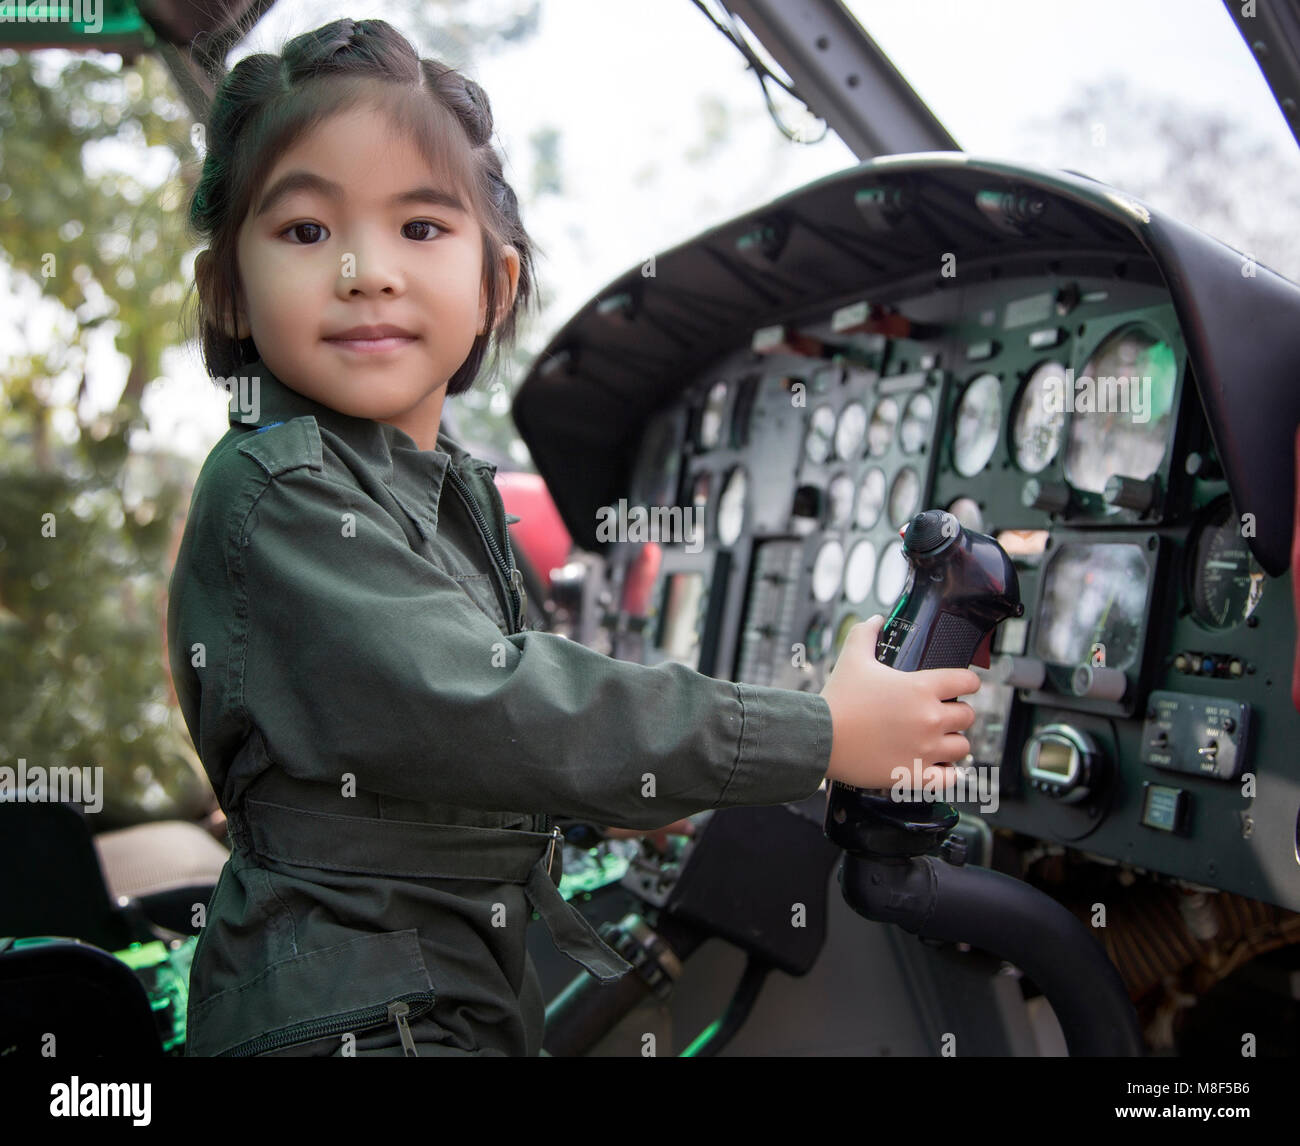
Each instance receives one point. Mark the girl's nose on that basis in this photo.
(369, 270)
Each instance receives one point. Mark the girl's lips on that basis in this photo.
(370, 345)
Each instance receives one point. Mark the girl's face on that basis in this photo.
(350, 230)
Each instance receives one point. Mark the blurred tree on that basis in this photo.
(548, 172)
(1199, 167)
(84, 523)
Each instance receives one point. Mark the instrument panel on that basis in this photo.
(1011, 407)
(1051, 395)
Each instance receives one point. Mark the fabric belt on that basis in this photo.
(397, 848)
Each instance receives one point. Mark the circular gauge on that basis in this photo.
(828, 571)
(881, 430)
(904, 495)
(1227, 582)
(1123, 402)
(918, 415)
(979, 417)
(821, 431)
(850, 431)
(967, 511)
(711, 417)
(860, 571)
(842, 631)
(871, 498)
(818, 640)
(840, 496)
(731, 506)
(891, 577)
(1039, 417)
(1093, 595)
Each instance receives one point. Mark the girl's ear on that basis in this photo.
(205, 278)
(509, 271)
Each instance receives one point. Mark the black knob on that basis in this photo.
(1050, 497)
(930, 530)
(1130, 493)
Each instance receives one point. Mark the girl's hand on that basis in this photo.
(884, 719)
(659, 836)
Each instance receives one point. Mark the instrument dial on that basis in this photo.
(881, 430)
(1124, 425)
(860, 571)
(821, 431)
(850, 431)
(731, 506)
(1227, 582)
(918, 416)
(904, 496)
(967, 511)
(979, 420)
(840, 495)
(828, 571)
(871, 498)
(1039, 418)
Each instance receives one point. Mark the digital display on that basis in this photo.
(1054, 757)
(679, 632)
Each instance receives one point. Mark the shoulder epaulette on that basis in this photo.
(289, 445)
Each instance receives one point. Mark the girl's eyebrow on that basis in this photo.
(294, 181)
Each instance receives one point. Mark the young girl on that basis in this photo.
(346, 628)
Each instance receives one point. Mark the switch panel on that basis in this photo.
(1201, 735)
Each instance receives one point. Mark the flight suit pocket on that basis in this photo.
(363, 983)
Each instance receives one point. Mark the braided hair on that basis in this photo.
(266, 102)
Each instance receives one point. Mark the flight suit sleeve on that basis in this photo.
(363, 657)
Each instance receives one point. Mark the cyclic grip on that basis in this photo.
(961, 585)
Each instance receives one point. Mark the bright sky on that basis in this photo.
(624, 81)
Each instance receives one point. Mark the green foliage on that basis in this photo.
(86, 524)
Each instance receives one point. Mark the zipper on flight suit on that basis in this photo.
(514, 585)
(404, 1007)
(512, 579)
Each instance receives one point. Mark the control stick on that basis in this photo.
(961, 585)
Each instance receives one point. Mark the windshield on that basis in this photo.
(1160, 98)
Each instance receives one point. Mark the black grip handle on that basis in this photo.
(952, 644)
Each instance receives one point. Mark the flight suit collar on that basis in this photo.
(391, 453)
(376, 440)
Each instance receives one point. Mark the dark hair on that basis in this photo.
(266, 102)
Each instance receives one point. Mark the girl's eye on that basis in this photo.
(300, 226)
(426, 223)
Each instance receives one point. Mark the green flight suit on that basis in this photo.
(390, 743)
